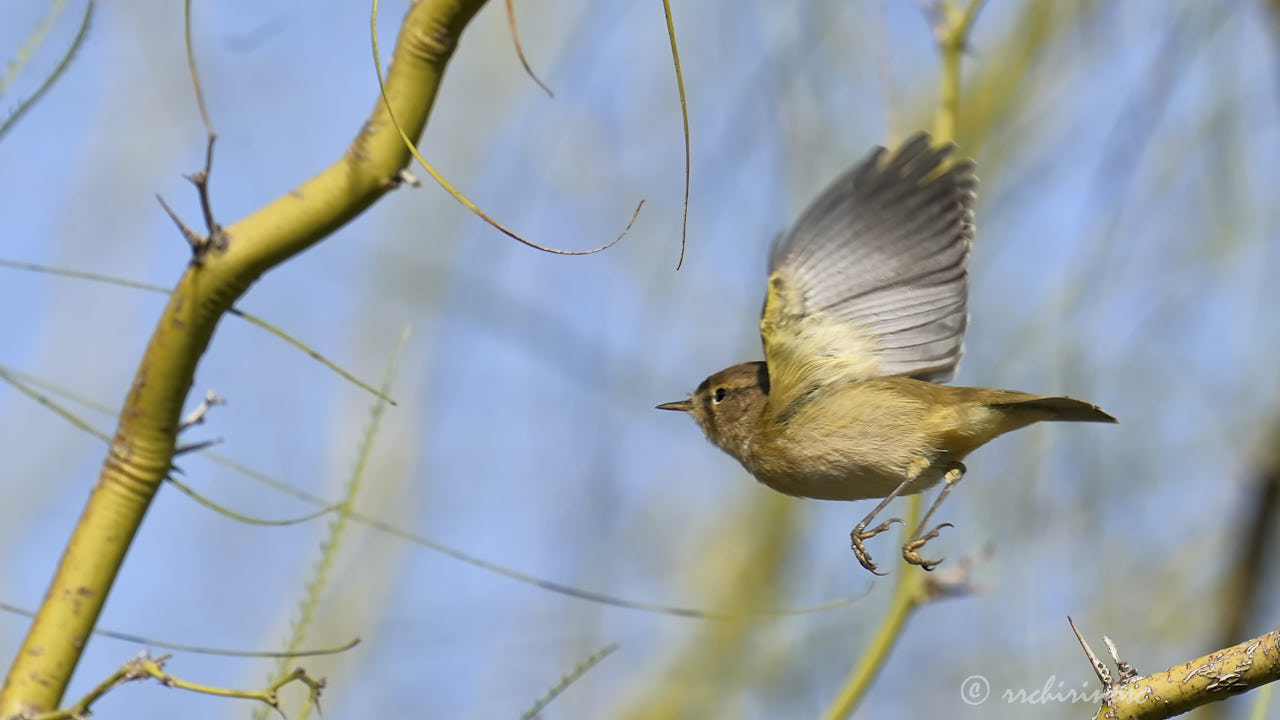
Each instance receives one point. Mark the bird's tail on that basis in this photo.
(1063, 409)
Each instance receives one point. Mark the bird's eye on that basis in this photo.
(720, 392)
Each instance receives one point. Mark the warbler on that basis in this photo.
(864, 317)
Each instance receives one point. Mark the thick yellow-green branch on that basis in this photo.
(141, 452)
(1189, 685)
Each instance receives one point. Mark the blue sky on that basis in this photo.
(1126, 251)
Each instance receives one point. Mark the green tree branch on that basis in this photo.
(142, 450)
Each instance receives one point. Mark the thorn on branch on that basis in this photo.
(196, 447)
(1127, 671)
(193, 238)
(1099, 668)
(404, 177)
(196, 417)
(217, 239)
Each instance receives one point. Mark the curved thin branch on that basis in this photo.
(195, 76)
(448, 187)
(233, 310)
(29, 46)
(248, 519)
(515, 40)
(25, 383)
(684, 117)
(196, 649)
(62, 66)
(569, 678)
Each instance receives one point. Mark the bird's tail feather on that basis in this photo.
(1063, 409)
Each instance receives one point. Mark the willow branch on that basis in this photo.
(141, 452)
(908, 594)
(1186, 686)
(953, 37)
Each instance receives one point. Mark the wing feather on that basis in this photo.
(872, 279)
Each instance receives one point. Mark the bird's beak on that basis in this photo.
(682, 405)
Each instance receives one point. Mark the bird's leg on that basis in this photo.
(860, 531)
(917, 541)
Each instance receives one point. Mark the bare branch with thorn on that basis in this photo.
(218, 238)
(144, 666)
(1185, 686)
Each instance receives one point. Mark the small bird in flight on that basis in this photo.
(863, 318)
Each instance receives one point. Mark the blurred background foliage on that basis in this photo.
(1126, 253)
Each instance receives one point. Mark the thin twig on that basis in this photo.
(61, 67)
(217, 238)
(449, 551)
(196, 649)
(246, 316)
(44, 400)
(248, 519)
(195, 76)
(144, 666)
(316, 585)
(569, 678)
(515, 39)
(448, 187)
(684, 117)
(29, 46)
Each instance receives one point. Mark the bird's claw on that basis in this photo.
(909, 549)
(860, 533)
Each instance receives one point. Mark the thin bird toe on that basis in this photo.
(913, 557)
(864, 557)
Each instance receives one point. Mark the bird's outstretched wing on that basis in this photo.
(871, 281)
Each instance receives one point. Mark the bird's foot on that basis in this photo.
(861, 533)
(909, 549)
